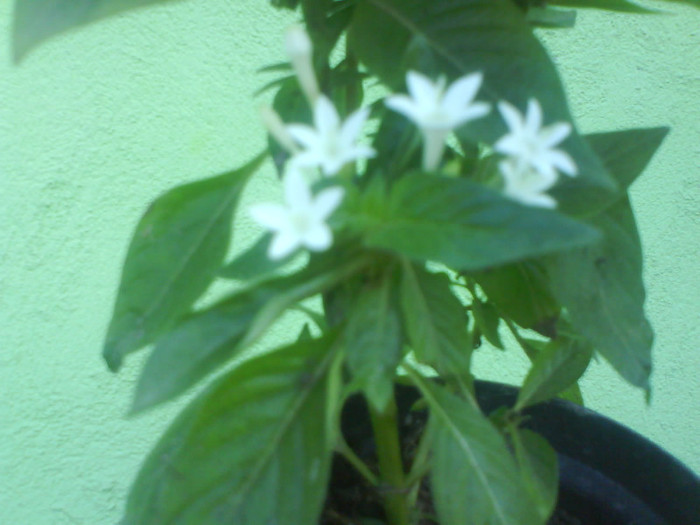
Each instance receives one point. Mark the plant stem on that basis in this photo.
(386, 437)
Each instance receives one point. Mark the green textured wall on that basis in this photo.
(99, 121)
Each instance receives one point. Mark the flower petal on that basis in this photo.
(513, 117)
(404, 105)
(284, 243)
(554, 134)
(352, 127)
(421, 88)
(533, 119)
(326, 202)
(303, 134)
(563, 162)
(271, 216)
(326, 117)
(461, 92)
(297, 192)
(318, 237)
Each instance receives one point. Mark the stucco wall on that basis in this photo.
(96, 123)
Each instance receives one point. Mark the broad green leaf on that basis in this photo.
(475, 479)
(624, 6)
(491, 36)
(435, 321)
(254, 264)
(373, 342)
(209, 338)
(601, 287)
(521, 292)
(557, 367)
(37, 20)
(253, 448)
(175, 253)
(467, 226)
(626, 153)
(539, 469)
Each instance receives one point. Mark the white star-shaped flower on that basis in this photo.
(330, 144)
(438, 111)
(526, 185)
(530, 145)
(301, 221)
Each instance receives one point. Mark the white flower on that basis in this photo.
(301, 221)
(530, 145)
(438, 111)
(299, 51)
(526, 185)
(330, 144)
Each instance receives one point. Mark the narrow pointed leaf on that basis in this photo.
(435, 321)
(373, 342)
(475, 479)
(175, 253)
(253, 448)
(467, 226)
(556, 368)
(539, 469)
(208, 339)
(490, 36)
(37, 20)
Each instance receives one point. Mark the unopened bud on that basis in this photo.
(299, 50)
(277, 129)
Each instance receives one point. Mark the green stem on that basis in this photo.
(386, 437)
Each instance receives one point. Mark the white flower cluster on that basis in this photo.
(531, 163)
(530, 166)
(328, 146)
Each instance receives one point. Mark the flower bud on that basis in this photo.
(299, 50)
(277, 129)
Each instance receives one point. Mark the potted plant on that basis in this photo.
(473, 206)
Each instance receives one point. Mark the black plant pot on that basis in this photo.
(609, 474)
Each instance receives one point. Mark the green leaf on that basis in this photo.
(175, 253)
(254, 264)
(609, 5)
(601, 287)
(521, 292)
(467, 226)
(325, 21)
(626, 153)
(254, 448)
(209, 338)
(491, 36)
(435, 321)
(475, 479)
(556, 368)
(539, 469)
(551, 18)
(486, 319)
(37, 20)
(373, 342)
